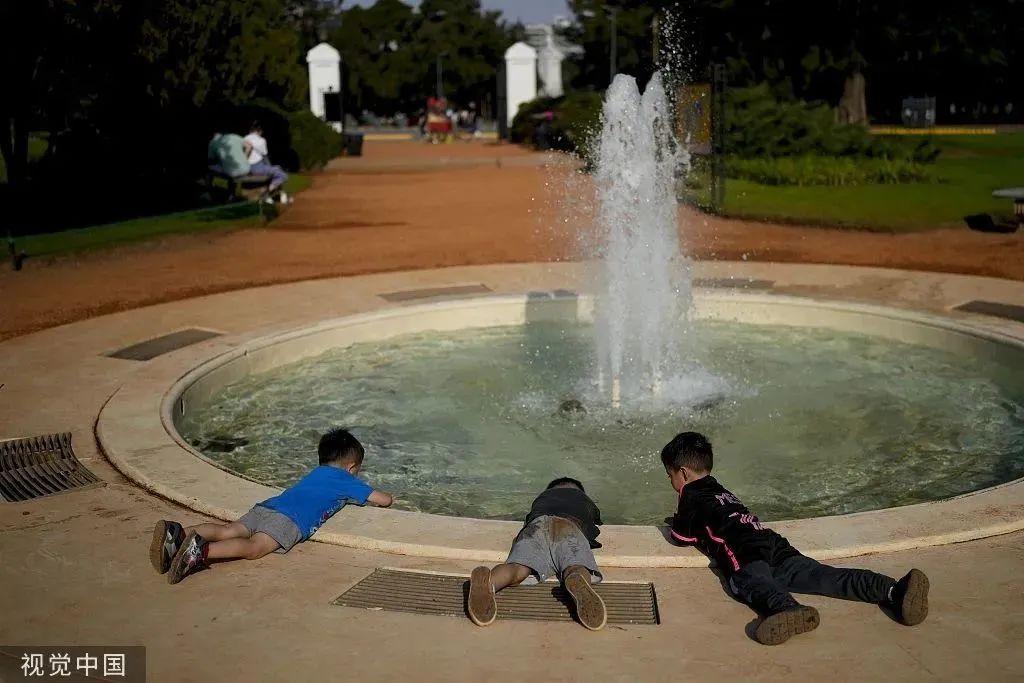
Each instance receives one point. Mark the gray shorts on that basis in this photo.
(274, 524)
(549, 546)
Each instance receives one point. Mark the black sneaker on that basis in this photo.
(167, 538)
(909, 598)
(191, 557)
(777, 628)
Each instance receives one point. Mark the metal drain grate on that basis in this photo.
(994, 308)
(40, 466)
(431, 292)
(158, 346)
(733, 283)
(445, 594)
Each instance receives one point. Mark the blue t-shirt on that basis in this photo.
(317, 496)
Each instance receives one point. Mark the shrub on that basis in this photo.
(313, 141)
(576, 119)
(824, 170)
(758, 124)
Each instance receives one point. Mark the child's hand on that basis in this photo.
(380, 499)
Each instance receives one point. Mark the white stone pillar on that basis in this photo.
(550, 69)
(520, 77)
(324, 77)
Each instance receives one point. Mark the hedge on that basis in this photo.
(758, 124)
(821, 170)
(577, 118)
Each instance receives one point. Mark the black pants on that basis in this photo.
(767, 588)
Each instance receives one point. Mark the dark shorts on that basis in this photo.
(261, 520)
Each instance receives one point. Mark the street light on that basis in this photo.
(438, 16)
(440, 77)
(612, 13)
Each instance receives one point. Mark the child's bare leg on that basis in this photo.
(219, 532)
(233, 548)
(509, 574)
(196, 552)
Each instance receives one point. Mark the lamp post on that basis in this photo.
(613, 49)
(612, 66)
(440, 77)
(438, 16)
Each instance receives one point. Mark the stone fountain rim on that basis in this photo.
(136, 431)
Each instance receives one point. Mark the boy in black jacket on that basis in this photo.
(556, 541)
(761, 566)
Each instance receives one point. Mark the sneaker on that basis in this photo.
(590, 609)
(167, 538)
(909, 598)
(191, 557)
(777, 628)
(481, 605)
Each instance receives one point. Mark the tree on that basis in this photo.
(126, 90)
(863, 55)
(390, 52)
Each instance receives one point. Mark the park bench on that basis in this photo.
(240, 183)
(1014, 193)
(253, 187)
(1017, 195)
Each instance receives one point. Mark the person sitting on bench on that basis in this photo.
(259, 158)
(227, 156)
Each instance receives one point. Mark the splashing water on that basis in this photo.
(642, 310)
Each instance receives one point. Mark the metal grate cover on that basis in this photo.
(158, 346)
(445, 594)
(40, 466)
(734, 283)
(994, 308)
(431, 292)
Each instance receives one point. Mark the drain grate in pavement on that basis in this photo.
(733, 283)
(445, 595)
(994, 308)
(431, 292)
(158, 346)
(40, 466)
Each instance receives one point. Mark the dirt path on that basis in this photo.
(418, 206)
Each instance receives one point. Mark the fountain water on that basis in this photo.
(642, 309)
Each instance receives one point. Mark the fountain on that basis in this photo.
(643, 300)
(467, 407)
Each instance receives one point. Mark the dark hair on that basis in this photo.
(338, 445)
(566, 480)
(256, 125)
(690, 450)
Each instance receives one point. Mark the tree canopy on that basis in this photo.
(966, 54)
(390, 52)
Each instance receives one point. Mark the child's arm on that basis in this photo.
(380, 499)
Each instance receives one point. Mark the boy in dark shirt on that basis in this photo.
(761, 566)
(557, 539)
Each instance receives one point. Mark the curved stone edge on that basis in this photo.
(1001, 507)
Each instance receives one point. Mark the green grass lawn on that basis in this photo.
(970, 167)
(226, 217)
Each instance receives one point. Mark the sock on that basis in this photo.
(204, 547)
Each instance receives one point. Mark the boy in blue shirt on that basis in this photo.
(276, 524)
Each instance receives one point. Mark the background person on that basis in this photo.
(259, 158)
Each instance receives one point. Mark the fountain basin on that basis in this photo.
(994, 510)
